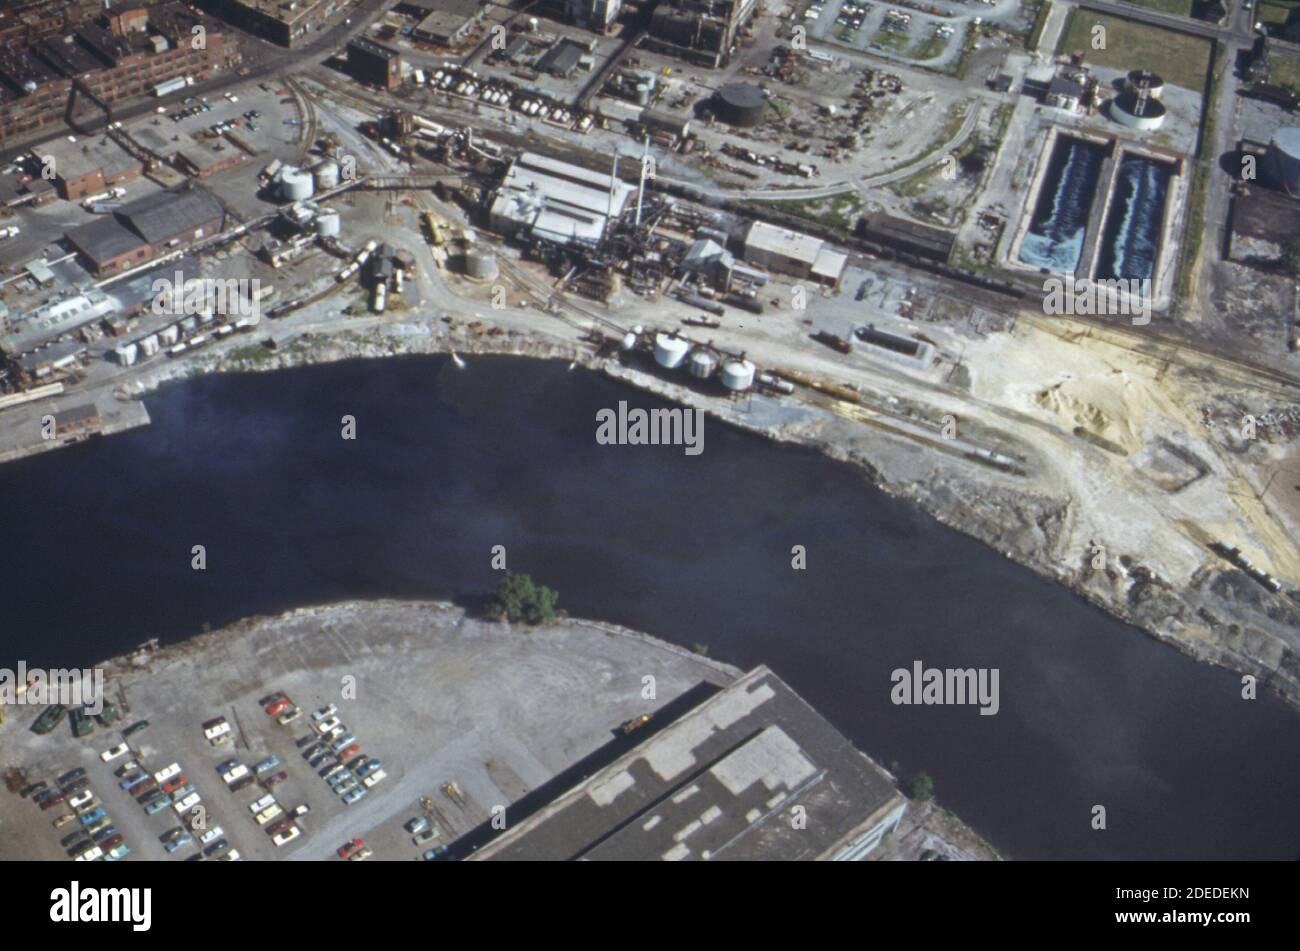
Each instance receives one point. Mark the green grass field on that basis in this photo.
(1182, 60)
(1284, 70)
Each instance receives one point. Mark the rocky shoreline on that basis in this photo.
(993, 509)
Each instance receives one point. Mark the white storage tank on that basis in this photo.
(326, 175)
(702, 364)
(737, 375)
(126, 354)
(169, 335)
(480, 264)
(670, 350)
(295, 184)
(328, 223)
(629, 341)
(149, 345)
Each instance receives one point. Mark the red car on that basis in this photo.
(143, 785)
(275, 780)
(279, 825)
(278, 707)
(347, 848)
(50, 802)
(175, 783)
(349, 751)
(112, 842)
(271, 698)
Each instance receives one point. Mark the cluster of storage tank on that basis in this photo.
(292, 183)
(736, 374)
(467, 83)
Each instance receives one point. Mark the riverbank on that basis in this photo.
(1220, 617)
(438, 695)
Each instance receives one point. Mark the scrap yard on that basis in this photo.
(1015, 279)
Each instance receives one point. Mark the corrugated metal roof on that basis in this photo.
(165, 215)
(789, 244)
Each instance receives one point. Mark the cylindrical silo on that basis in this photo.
(326, 174)
(737, 374)
(670, 350)
(701, 364)
(295, 184)
(480, 264)
(629, 341)
(328, 223)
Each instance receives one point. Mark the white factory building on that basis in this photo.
(790, 252)
(567, 204)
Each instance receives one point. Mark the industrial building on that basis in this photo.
(41, 80)
(542, 198)
(444, 21)
(793, 253)
(287, 22)
(1282, 160)
(148, 227)
(751, 773)
(374, 63)
(701, 31)
(562, 59)
(88, 165)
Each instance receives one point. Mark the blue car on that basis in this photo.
(131, 780)
(93, 816)
(271, 762)
(179, 842)
(158, 805)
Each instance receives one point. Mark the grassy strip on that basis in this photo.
(1040, 23)
(1194, 230)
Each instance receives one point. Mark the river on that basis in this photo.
(695, 549)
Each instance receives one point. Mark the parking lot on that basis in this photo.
(401, 678)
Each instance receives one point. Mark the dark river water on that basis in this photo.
(695, 549)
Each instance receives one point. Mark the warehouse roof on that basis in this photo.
(789, 244)
(72, 160)
(718, 783)
(165, 215)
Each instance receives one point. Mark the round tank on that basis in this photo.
(642, 94)
(737, 375)
(670, 351)
(480, 264)
(327, 223)
(739, 104)
(702, 364)
(326, 174)
(295, 184)
(629, 341)
(1138, 111)
(1283, 158)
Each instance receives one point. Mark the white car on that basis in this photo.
(325, 713)
(189, 802)
(113, 753)
(167, 772)
(231, 856)
(287, 836)
(328, 725)
(261, 804)
(375, 778)
(211, 835)
(79, 800)
(269, 813)
(90, 855)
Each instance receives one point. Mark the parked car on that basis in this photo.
(211, 834)
(292, 713)
(275, 780)
(113, 752)
(418, 824)
(343, 742)
(180, 843)
(352, 795)
(52, 800)
(324, 713)
(175, 783)
(270, 698)
(284, 838)
(270, 763)
(242, 782)
(63, 820)
(347, 848)
(437, 854)
(369, 767)
(360, 855)
(349, 751)
(135, 728)
(328, 724)
(226, 766)
(71, 775)
(158, 805)
(216, 848)
(374, 779)
(130, 766)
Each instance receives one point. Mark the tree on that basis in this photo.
(518, 598)
(921, 787)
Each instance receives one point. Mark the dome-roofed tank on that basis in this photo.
(702, 363)
(670, 350)
(737, 374)
(326, 174)
(327, 223)
(294, 184)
